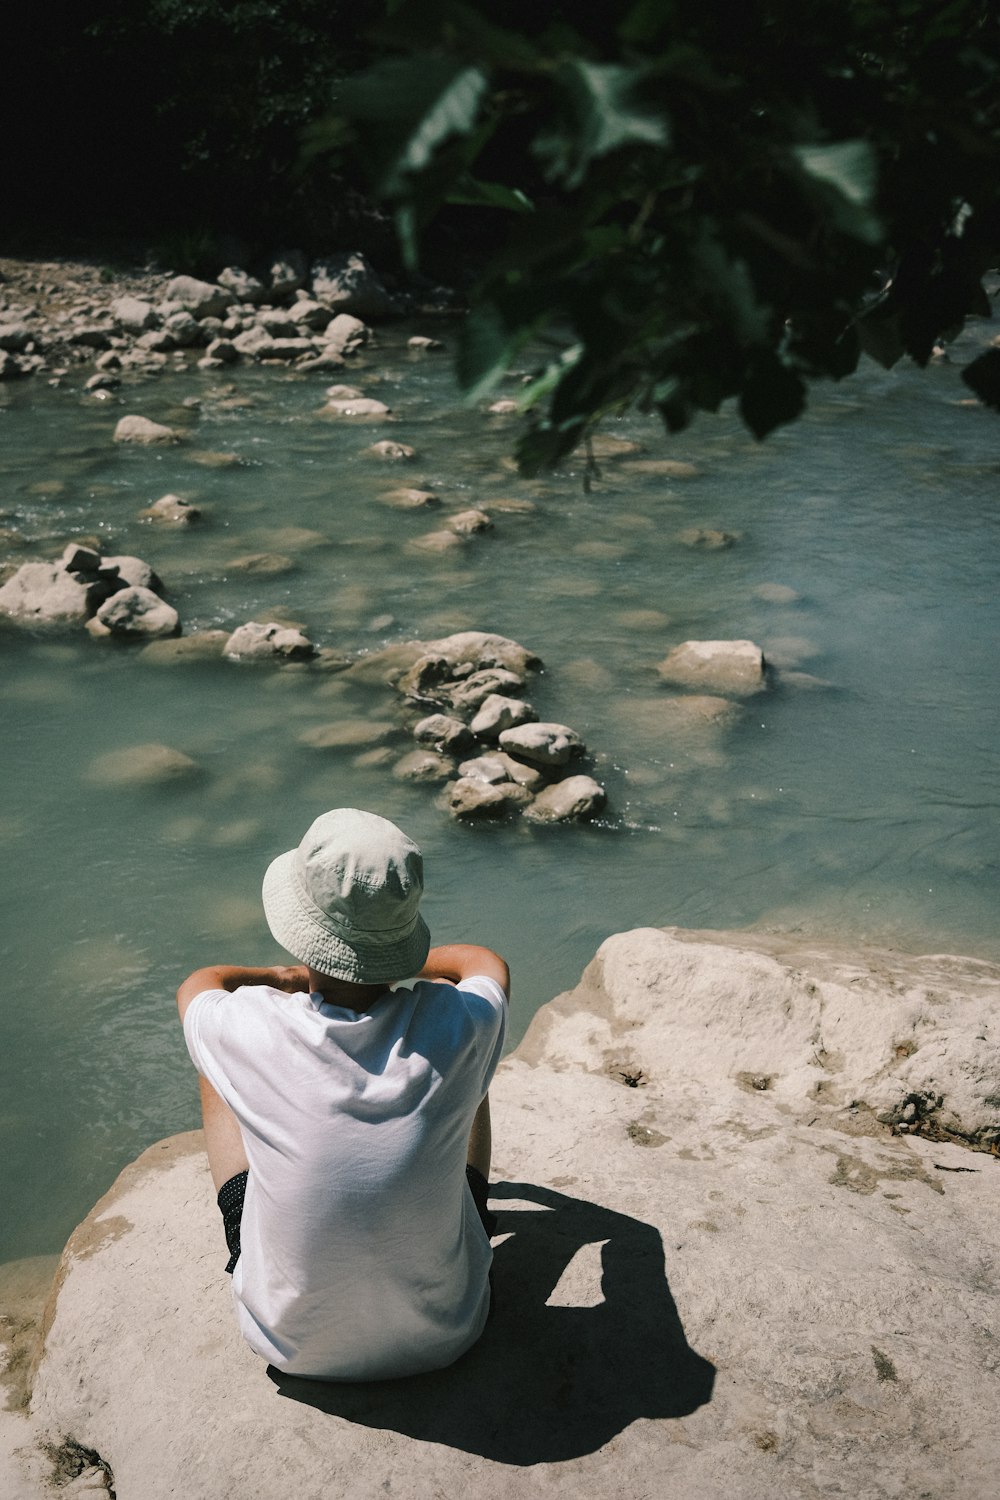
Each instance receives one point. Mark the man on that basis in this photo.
(347, 1123)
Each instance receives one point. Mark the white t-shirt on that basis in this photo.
(362, 1254)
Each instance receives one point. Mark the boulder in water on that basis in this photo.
(142, 765)
(719, 666)
(136, 613)
(542, 744)
(136, 429)
(572, 800)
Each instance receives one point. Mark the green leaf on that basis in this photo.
(488, 343)
(881, 336)
(543, 445)
(848, 166)
(453, 112)
(983, 378)
(843, 178)
(601, 99)
(771, 394)
(475, 193)
(543, 385)
(406, 109)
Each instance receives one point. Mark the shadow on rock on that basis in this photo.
(545, 1383)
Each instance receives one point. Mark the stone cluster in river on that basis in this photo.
(311, 316)
(110, 596)
(462, 700)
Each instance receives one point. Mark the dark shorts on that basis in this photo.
(233, 1192)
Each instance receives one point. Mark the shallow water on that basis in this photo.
(861, 806)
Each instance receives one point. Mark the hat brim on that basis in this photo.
(367, 958)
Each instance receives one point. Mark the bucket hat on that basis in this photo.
(346, 901)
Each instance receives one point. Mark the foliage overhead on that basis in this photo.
(689, 202)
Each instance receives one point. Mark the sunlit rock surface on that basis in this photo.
(717, 1267)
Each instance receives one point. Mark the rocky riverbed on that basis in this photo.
(58, 317)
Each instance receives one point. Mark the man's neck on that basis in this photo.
(343, 993)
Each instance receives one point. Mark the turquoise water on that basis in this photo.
(858, 804)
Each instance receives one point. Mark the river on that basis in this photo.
(854, 800)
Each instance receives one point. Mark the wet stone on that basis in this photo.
(203, 645)
(407, 499)
(472, 799)
(393, 453)
(143, 766)
(497, 765)
(348, 734)
(424, 766)
(262, 564)
(257, 641)
(171, 509)
(572, 800)
(490, 682)
(444, 732)
(134, 613)
(542, 744)
(46, 594)
(470, 522)
(721, 666)
(497, 713)
(705, 539)
(436, 542)
(135, 429)
(131, 571)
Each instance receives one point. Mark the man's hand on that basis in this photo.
(457, 961)
(292, 978)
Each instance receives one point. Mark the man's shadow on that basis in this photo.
(545, 1384)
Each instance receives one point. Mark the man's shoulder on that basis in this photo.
(474, 988)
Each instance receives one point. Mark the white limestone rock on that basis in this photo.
(344, 334)
(392, 453)
(741, 1292)
(288, 272)
(309, 314)
(244, 287)
(136, 429)
(355, 406)
(134, 315)
(286, 349)
(497, 765)
(716, 667)
(268, 641)
(47, 594)
(15, 337)
(542, 744)
(253, 342)
(171, 510)
(471, 798)
(570, 801)
(203, 299)
(470, 522)
(489, 682)
(497, 713)
(443, 732)
(348, 284)
(138, 613)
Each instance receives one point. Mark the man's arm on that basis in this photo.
(293, 978)
(458, 961)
